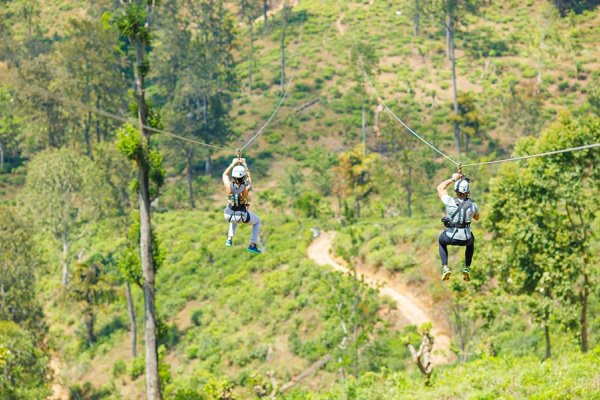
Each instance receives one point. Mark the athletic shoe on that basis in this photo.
(446, 273)
(229, 243)
(466, 274)
(253, 249)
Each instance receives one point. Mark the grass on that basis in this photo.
(564, 377)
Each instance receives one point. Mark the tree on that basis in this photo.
(90, 288)
(402, 165)
(451, 14)
(265, 10)
(131, 270)
(248, 9)
(355, 174)
(23, 365)
(92, 77)
(468, 118)
(46, 123)
(355, 306)
(10, 126)
(18, 261)
(416, 11)
(135, 22)
(62, 192)
(23, 356)
(284, 26)
(205, 78)
(548, 237)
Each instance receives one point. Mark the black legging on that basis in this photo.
(444, 241)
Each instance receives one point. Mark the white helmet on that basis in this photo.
(238, 172)
(462, 186)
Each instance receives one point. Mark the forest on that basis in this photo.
(120, 121)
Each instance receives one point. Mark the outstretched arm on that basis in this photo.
(442, 187)
(226, 173)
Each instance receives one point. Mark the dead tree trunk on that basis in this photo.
(422, 357)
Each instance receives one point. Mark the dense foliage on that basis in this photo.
(95, 98)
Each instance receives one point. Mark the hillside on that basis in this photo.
(235, 325)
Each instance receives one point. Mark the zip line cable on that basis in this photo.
(274, 112)
(85, 107)
(458, 164)
(587, 146)
(368, 80)
(283, 97)
(80, 105)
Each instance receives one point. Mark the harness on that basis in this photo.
(461, 211)
(236, 205)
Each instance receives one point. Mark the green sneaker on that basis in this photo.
(446, 273)
(253, 249)
(466, 274)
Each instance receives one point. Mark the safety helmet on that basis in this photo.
(238, 172)
(462, 186)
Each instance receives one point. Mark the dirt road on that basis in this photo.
(410, 307)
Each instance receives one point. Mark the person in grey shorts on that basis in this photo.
(460, 210)
(236, 212)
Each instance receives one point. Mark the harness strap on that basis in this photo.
(460, 224)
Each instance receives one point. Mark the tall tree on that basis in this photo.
(18, 262)
(90, 288)
(285, 12)
(356, 169)
(265, 10)
(135, 22)
(550, 232)
(23, 364)
(23, 355)
(62, 192)
(10, 126)
(468, 118)
(401, 172)
(451, 14)
(416, 11)
(92, 77)
(201, 97)
(248, 10)
(130, 266)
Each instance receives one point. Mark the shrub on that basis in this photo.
(197, 317)
(138, 366)
(119, 369)
(563, 86)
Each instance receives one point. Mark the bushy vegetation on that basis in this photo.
(229, 324)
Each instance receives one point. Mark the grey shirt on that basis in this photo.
(451, 207)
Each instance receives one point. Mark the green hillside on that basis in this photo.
(235, 325)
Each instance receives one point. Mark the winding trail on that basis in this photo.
(320, 252)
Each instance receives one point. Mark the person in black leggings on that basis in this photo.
(460, 210)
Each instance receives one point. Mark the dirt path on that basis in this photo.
(340, 27)
(59, 391)
(320, 252)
